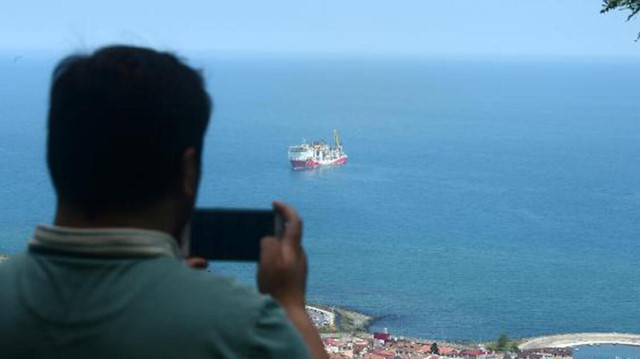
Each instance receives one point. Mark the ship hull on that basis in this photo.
(310, 163)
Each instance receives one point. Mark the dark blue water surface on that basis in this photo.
(479, 197)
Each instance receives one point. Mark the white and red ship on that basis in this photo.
(317, 154)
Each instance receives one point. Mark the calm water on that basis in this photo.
(479, 197)
(606, 352)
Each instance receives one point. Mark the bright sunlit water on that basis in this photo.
(479, 197)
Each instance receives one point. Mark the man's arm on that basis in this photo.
(282, 273)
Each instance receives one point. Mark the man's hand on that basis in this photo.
(282, 271)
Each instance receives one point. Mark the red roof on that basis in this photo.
(446, 350)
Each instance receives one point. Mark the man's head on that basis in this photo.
(125, 131)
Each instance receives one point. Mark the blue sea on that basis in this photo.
(480, 196)
(606, 352)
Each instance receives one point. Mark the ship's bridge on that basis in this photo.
(300, 153)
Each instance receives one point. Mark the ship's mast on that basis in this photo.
(336, 140)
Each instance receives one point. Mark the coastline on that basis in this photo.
(351, 323)
(354, 325)
(345, 321)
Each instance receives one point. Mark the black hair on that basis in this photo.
(119, 122)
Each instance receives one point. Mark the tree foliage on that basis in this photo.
(503, 344)
(631, 5)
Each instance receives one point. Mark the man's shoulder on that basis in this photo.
(233, 315)
(10, 269)
(199, 285)
(9, 265)
(200, 294)
(204, 311)
(169, 284)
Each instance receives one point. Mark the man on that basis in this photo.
(125, 137)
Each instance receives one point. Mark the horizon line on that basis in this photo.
(243, 53)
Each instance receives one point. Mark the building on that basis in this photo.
(447, 351)
(383, 336)
(473, 354)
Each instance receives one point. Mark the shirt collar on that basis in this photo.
(104, 242)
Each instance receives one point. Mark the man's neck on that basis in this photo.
(159, 217)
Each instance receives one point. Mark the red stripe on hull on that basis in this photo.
(309, 164)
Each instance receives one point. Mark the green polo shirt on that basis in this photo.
(124, 293)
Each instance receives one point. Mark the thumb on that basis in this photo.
(197, 263)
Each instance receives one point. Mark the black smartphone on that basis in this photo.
(231, 234)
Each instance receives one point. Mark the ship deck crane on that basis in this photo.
(336, 140)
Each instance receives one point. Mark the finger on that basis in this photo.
(292, 224)
(298, 232)
(269, 248)
(197, 263)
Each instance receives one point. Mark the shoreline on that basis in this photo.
(346, 320)
(354, 323)
(358, 326)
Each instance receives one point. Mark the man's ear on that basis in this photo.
(190, 172)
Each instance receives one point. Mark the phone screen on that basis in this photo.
(231, 234)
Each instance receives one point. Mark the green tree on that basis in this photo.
(631, 5)
(434, 348)
(504, 343)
